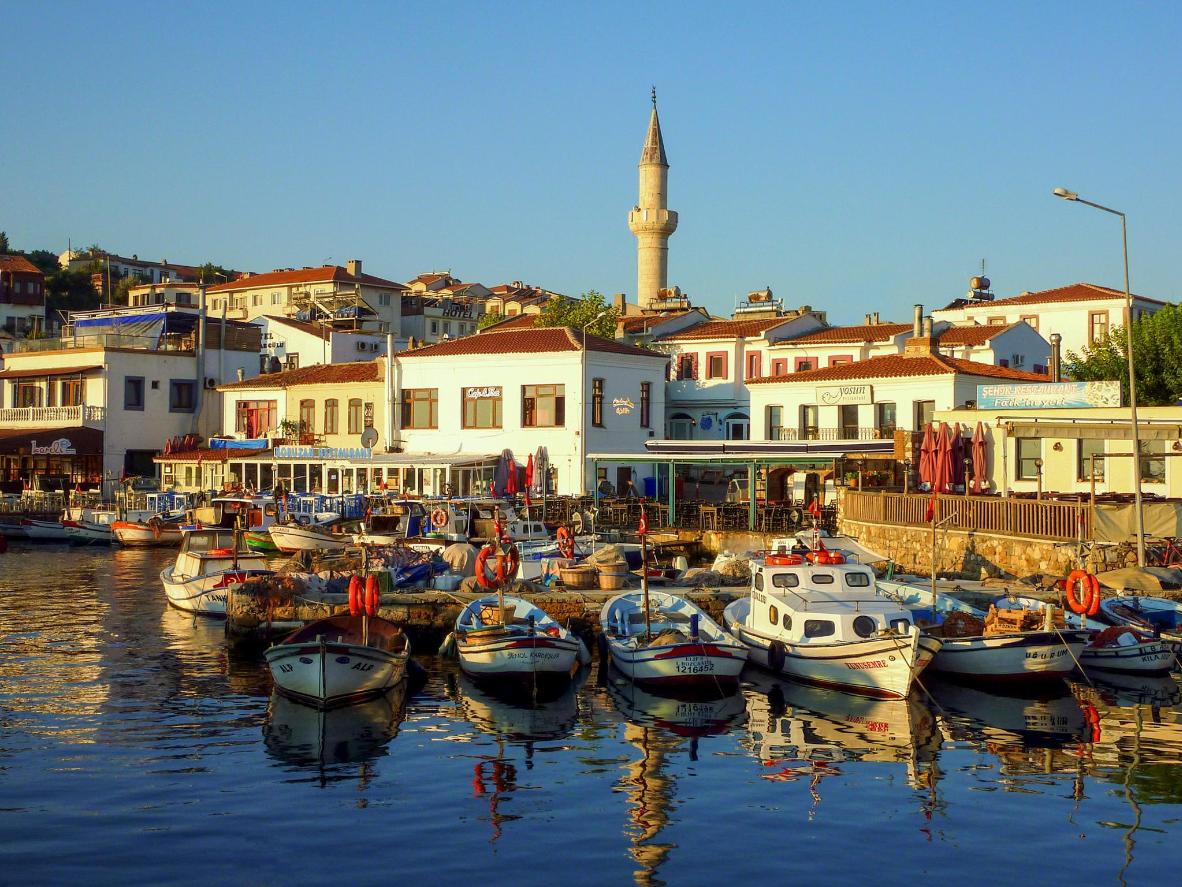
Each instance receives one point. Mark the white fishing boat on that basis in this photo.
(509, 639)
(209, 564)
(823, 623)
(155, 532)
(325, 535)
(93, 527)
(1158, 616)
(1009, 642)
(45, 530)
(339, 660)
(671, 642)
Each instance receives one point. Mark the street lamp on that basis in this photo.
(1124, 234)
(583, 400)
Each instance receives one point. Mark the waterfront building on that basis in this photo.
(288, 343)
(167, 292)
(433, 318)
(100, 400)
(346, 298)
(108, 269)
(1081, 313)
(22, 298)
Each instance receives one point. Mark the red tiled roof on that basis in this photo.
(729, 329)
(323, 274)
(18, 264)
(648, 321)
(972, 335)
(319, 374)
(312, 329)
(1075, 292)
(516, 322)
(838, 335)
(892, 366)
(527, 341)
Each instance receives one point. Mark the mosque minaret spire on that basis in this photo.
(651, 220)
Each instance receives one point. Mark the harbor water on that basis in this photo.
(135, 748)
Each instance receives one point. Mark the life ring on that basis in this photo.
(356, 596)
(566, 543)
(439, 518)
(1092, 719)
(783, 560)
(1089, 604)
(221, 552)
(507, 560)
(776, 655)
(373, 596)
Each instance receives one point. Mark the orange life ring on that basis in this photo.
(783, 560)
(356, 599)
(221, 552)
(566, 543)
(1092, 719)
(439, 518)
(1089, 604)
(507, 560)
(373, 596)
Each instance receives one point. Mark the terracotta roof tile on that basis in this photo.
(837, 335)
(972, 335)
(323, 274)
(312, 329)
(516, 322)
(527, 341)
(18, 264)
(319, 374)
(648, 321)
(1075, 292)
(729, 329)
(892, 366)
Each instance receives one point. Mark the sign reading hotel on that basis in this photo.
(1048, 395)
(326, 453)
(838, 395)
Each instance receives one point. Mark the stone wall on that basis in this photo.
(970, 554)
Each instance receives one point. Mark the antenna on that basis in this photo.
(654, 96)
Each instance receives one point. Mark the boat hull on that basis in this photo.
(45, 531)
(514, 658)
(1144, 657)
(704, 663)
(260, 541)
(139, 535)
(290, 538)
(329, 674)
(90, 534)
(207, 594)
(1018, 656)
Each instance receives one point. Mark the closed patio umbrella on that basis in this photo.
(541, 466)
(979, 466)
(529, 478)
(510, 476)
(927, 451)
(942, 460)
(958, 475)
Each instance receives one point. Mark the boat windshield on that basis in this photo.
(200, 543)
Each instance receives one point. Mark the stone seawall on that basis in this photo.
(970, 554)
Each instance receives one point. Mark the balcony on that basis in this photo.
(185, 344)
(42, 417)
(813, 432)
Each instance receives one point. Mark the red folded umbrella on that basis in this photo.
(510, 477)
(927, 451)
(979, 466)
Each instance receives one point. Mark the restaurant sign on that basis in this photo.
(836, 395)
(1048, 395)
(490, 391)
(60, 447)
(326, 453)
(623, 406)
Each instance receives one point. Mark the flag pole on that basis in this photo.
(642, 529)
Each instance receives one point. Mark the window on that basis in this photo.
(1097, 325)
(1083, 460)
(785, 580)
(847, 417)
(256, 300)
(1031, 319)
(773, 614)
(308, 416)
(447, 327)
(420, 408)
(780, 366)
(71, 392)
(182, 395)
(291, 362)
(884, 419)
(857, 580)
(754, 365)
(331, 408)
(819, 628)
(808, 422)
(687, 366)
(646, 401)
(840, 360)
(256, 417)
(133, 392)
(1153, 461)
(805, 363)
(716, 365)
(925, 411)
(276, 298)
(482, 407)
(996, 321)
(543, 406)
(28, 394)
(775, 422)
(821, 578)
(434, 327)
(1029, 449)
(597, 402)
(681, 427)
(384, 300)
(355, 415)
(864, 626)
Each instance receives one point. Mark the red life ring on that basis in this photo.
(1092, 719)
(1089, 604)
(507, 559)
(221, 552)
(356, 600)
(783, 560)
(439, 518)
(373, 596)
(566, 543)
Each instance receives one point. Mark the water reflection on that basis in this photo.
(518, 716)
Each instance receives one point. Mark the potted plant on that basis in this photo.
(288, 430)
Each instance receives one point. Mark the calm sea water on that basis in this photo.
(135, 748)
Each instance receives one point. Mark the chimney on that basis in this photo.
(354, 267)
(1056, 367)
(620, 303)
(866, 320)
(876, 321)
(241, 374)
(920, 345)
(917, 327)
(927, 327)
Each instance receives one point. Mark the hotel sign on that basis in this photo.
(327, 453)
(60, 447)
(837, 395)
(1048, 395)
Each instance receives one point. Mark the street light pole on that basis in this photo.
(583, 402)
(1124, 235)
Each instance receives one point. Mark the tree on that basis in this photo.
(577, 312)
(488, 319)
(212, 274)
(121, 296)
(1157, 346)
(3, 243)
(67, 290)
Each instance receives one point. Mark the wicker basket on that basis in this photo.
(578, 577)
(612, 581)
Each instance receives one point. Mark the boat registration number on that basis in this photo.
(695, 666)
(1047, 654)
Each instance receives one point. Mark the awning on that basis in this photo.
(47, 371)
(70, 441)
(1093, 430)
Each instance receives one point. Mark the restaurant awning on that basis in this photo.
(42, 372)
(71, 441)
(1092, 430)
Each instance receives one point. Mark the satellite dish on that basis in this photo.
(369, 437)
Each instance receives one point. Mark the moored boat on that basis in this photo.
(45, 530)
(152, 533)
(671, 642)
(209, 564)
(292, 537)
(260, 541)
(1158, 616)
(92, 528)
(339, 660)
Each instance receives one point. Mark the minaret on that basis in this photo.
(651, 220)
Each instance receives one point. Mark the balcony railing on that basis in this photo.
(95, 417)
(812, 432)
(185, 343)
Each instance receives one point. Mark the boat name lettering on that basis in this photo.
(532, 654)
(479, 393)
(1046, 654)
(323, 452)
(363, 666)
(870, 663)
(60, 447)
(286, 667)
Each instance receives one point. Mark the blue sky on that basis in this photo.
(856, 157)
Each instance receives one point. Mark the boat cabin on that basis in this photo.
(217, 542)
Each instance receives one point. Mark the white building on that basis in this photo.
(102, 400)
(432, 318)
(710, 365)
(1018, 345)
(1081, 313)
(290, 344)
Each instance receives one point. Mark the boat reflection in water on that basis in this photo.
(518, 716)
(1114, 688)
(311, 738)
(1046, 717)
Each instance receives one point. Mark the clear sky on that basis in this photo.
(856, 156)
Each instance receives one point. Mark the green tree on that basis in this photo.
(1157, 347)
(67, 290)
(577, 312)
(488, 319)
(121, 296)
(45, 260)
(212, 274)
(4, 243)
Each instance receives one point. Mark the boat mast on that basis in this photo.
(643, 531)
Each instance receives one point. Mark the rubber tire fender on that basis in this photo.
(776, 654)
